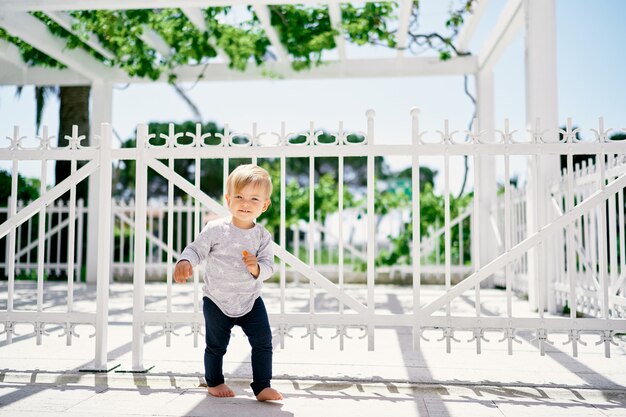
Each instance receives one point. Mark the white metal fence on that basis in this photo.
(123, 229)
(518, 232)
(542, 247)
(96, 159)
(585, 178)
(56, 238)
(597, 243)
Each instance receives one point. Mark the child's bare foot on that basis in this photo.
(221, 390)
(269, 394)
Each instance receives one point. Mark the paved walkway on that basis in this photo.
(390, 381)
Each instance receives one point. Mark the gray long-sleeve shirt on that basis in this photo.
(227, 281)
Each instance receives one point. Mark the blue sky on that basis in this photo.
(591, 83)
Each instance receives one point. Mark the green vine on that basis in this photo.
(369, 24)
(305, 31)
(30, 55)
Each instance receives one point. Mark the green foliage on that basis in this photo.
(369, 23)
(27, 188)
(432, 211)
(72, 41)
(427, 176)
(305, 31)
(188, 45)
(326, 199)
(124, 174)
(389, 200)
(567, 311)
(618, 136)
(30, 55)
(241, 42)
(118, 31)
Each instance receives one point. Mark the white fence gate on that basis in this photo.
(98, 160)
(558, 236)
(56, 235)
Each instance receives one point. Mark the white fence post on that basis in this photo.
(139, 275)
(104, 248)
(102, 107)
(416, 247)
(485, 167)
(371, 226)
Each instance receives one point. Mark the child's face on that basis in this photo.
(247, 204)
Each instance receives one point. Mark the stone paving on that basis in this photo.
(392, 380)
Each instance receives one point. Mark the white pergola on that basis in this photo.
(536, 18)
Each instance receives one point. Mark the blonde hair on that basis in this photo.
(247, 174)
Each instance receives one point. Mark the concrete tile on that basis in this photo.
(552, 409)
(321, 381)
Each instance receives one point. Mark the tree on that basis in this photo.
(427, 176)
(27, 188)
(431, 212)
(72, 112)
(124, 174)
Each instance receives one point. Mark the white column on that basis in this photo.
(541, 104)
(101, 111)
(486, 169)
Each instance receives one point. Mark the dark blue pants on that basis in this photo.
(255, 325)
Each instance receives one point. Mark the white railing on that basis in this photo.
(56, 238)
(517, 232)
(122, 261)
(360, 310)
(38, 314)
(433, 260)
(184, 211)
(596, 231)
(353, 308)
(586, 244)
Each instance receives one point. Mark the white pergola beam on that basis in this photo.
(352, 68)
(196, 17)
(471, 24)
(34, 32)
(509, 23)
(64, 5)
(11, 54)
(43, 76)
(406, 7)
(155, 41)
(66, 22)
(263, 13)
(335, 20)
(358, 68)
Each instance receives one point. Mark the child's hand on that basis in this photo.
(182, 271)
(251, 263)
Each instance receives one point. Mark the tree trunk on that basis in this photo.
(74, 110)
